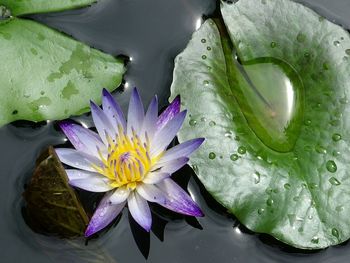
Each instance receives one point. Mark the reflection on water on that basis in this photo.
(152, 33)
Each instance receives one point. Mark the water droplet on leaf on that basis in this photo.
(331, 166)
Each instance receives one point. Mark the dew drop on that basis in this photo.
(331, 166)
(325, 66)
(313, 186)
(203, 119)
(287, 186)
(237, 138)
(193, 122)
(212, 123)
(208, 48)
(228, 135)
(308, 122)
(315, 240)
(212, 156)
(203, 40)
(204, 57)
(242, 150)
(344, 100)
(296, 198)
(261, 211)
(301, 37)
(335, 232)
(300, 229)
(336, 43)
(334, 181)
(335, 122)
(206, 82)
(320, 149)
(257, 177)
(347, 52)
(273, 44)
(336, 137)
(336, 153)
(310, 217)
(269, 202)
(339, 208)
(234, 157)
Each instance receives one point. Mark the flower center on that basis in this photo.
(128, 160)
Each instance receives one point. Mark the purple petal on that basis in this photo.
(164, 137)
(82, 139)
(92, 182)
(155, 177)
(150, 120)
(170, 112)
(168, 194)
(135, 113)
(182, 150)
(171, 166)
(104, 215)
(102, 123)
(140, 211)
(120, 195)
(112, 110)
(78, 159)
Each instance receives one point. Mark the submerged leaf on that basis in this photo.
(275, 119)
(52, 205)
(47, 75)
(21, 7)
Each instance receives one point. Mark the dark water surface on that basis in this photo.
(152, 33)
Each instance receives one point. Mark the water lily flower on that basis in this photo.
(129, 160)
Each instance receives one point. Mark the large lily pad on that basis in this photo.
(47, 75)
(275, 120)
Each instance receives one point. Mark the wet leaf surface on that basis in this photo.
(275, 119)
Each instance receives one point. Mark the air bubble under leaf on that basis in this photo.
(290, 143)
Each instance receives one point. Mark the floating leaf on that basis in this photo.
(47, 75)
(52, 205)
(21, 7)
(275, 119)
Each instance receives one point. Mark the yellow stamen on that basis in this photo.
(128, 160)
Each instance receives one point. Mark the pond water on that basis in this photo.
(152, 33)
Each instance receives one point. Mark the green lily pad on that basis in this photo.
(22, 7)
(275, 119)
(45, 75)
(52, 205)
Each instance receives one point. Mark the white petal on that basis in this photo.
(103, 126)
(140, 211)
(155, 177)
(135, 113)
(97, 185)
(78, 159)
(171, 166)
(171, 196)
(74, 174)
(104, 215)
(181, 150)
(112, 110)
(164, 137)
(82, 138)
(120, 195)
(150, 120)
